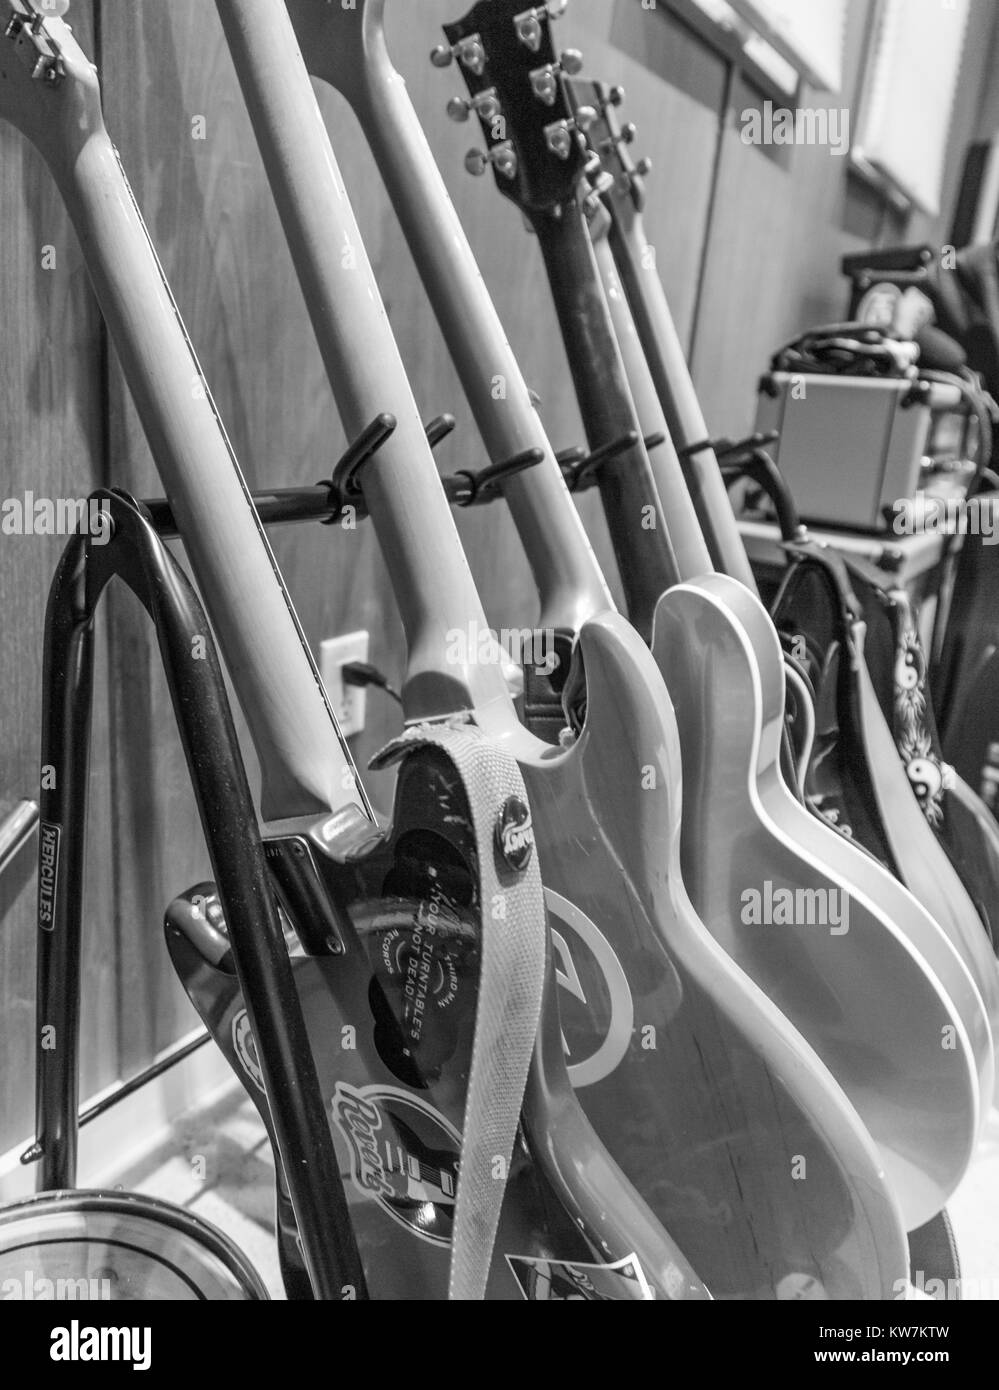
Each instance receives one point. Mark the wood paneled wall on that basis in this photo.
(747, 243)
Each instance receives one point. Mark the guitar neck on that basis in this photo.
(430, 576)
(641, 542)
(692, 555)
(569, 581)
(671, 375)
(306, 767)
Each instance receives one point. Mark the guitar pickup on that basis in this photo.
(33, 44)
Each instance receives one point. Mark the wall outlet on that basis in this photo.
(349, 701)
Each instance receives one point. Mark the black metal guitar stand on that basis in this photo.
(580, 466)
(135, 555)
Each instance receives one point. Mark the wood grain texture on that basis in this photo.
(51, 408)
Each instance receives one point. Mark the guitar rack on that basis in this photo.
(135, 555)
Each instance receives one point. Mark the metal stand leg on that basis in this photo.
(136, 556)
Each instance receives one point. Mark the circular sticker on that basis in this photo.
(515, 833)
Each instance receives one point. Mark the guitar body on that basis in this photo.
(668, 1029)
(966, 679)
(690, 1075)
(812, 872)
(965, 830)
(855, 776)
(782, 898)
(391, 1013)
(856, 771)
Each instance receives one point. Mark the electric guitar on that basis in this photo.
(860, 768)
(347, 885)
(680, 1061)
(719, 654)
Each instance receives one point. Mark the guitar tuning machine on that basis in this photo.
(34, 45)
(544, 80)
(614, 97)
(594, 211)
(486, 106)
(502, 156)
(527, 24)
(470, 53)
(559, 135)
(625, 136)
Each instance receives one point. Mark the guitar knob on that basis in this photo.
(558, 138)
(469, 51)
(502, 156)
(476, 162)
(529, 30)
(585, 117)
(544, 80)
(505, 158)
(486, 104)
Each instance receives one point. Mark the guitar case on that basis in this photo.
(386, 933)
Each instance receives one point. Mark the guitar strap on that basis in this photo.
(511, 982)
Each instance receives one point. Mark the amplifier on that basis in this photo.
(850, 447)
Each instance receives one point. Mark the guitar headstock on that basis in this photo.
(514, 76)
(48, 88)
(611, 140)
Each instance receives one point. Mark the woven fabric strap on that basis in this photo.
(511, 980)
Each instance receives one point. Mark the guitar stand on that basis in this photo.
(580, 468)
(135, 555)
(750, 458)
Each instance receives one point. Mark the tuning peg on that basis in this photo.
(544, 80)
(528, 23)
(559, 135)
(469, 51)
(614, 97)
(502, 156)
(486, 105)
(625, 136)
(643, 166)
